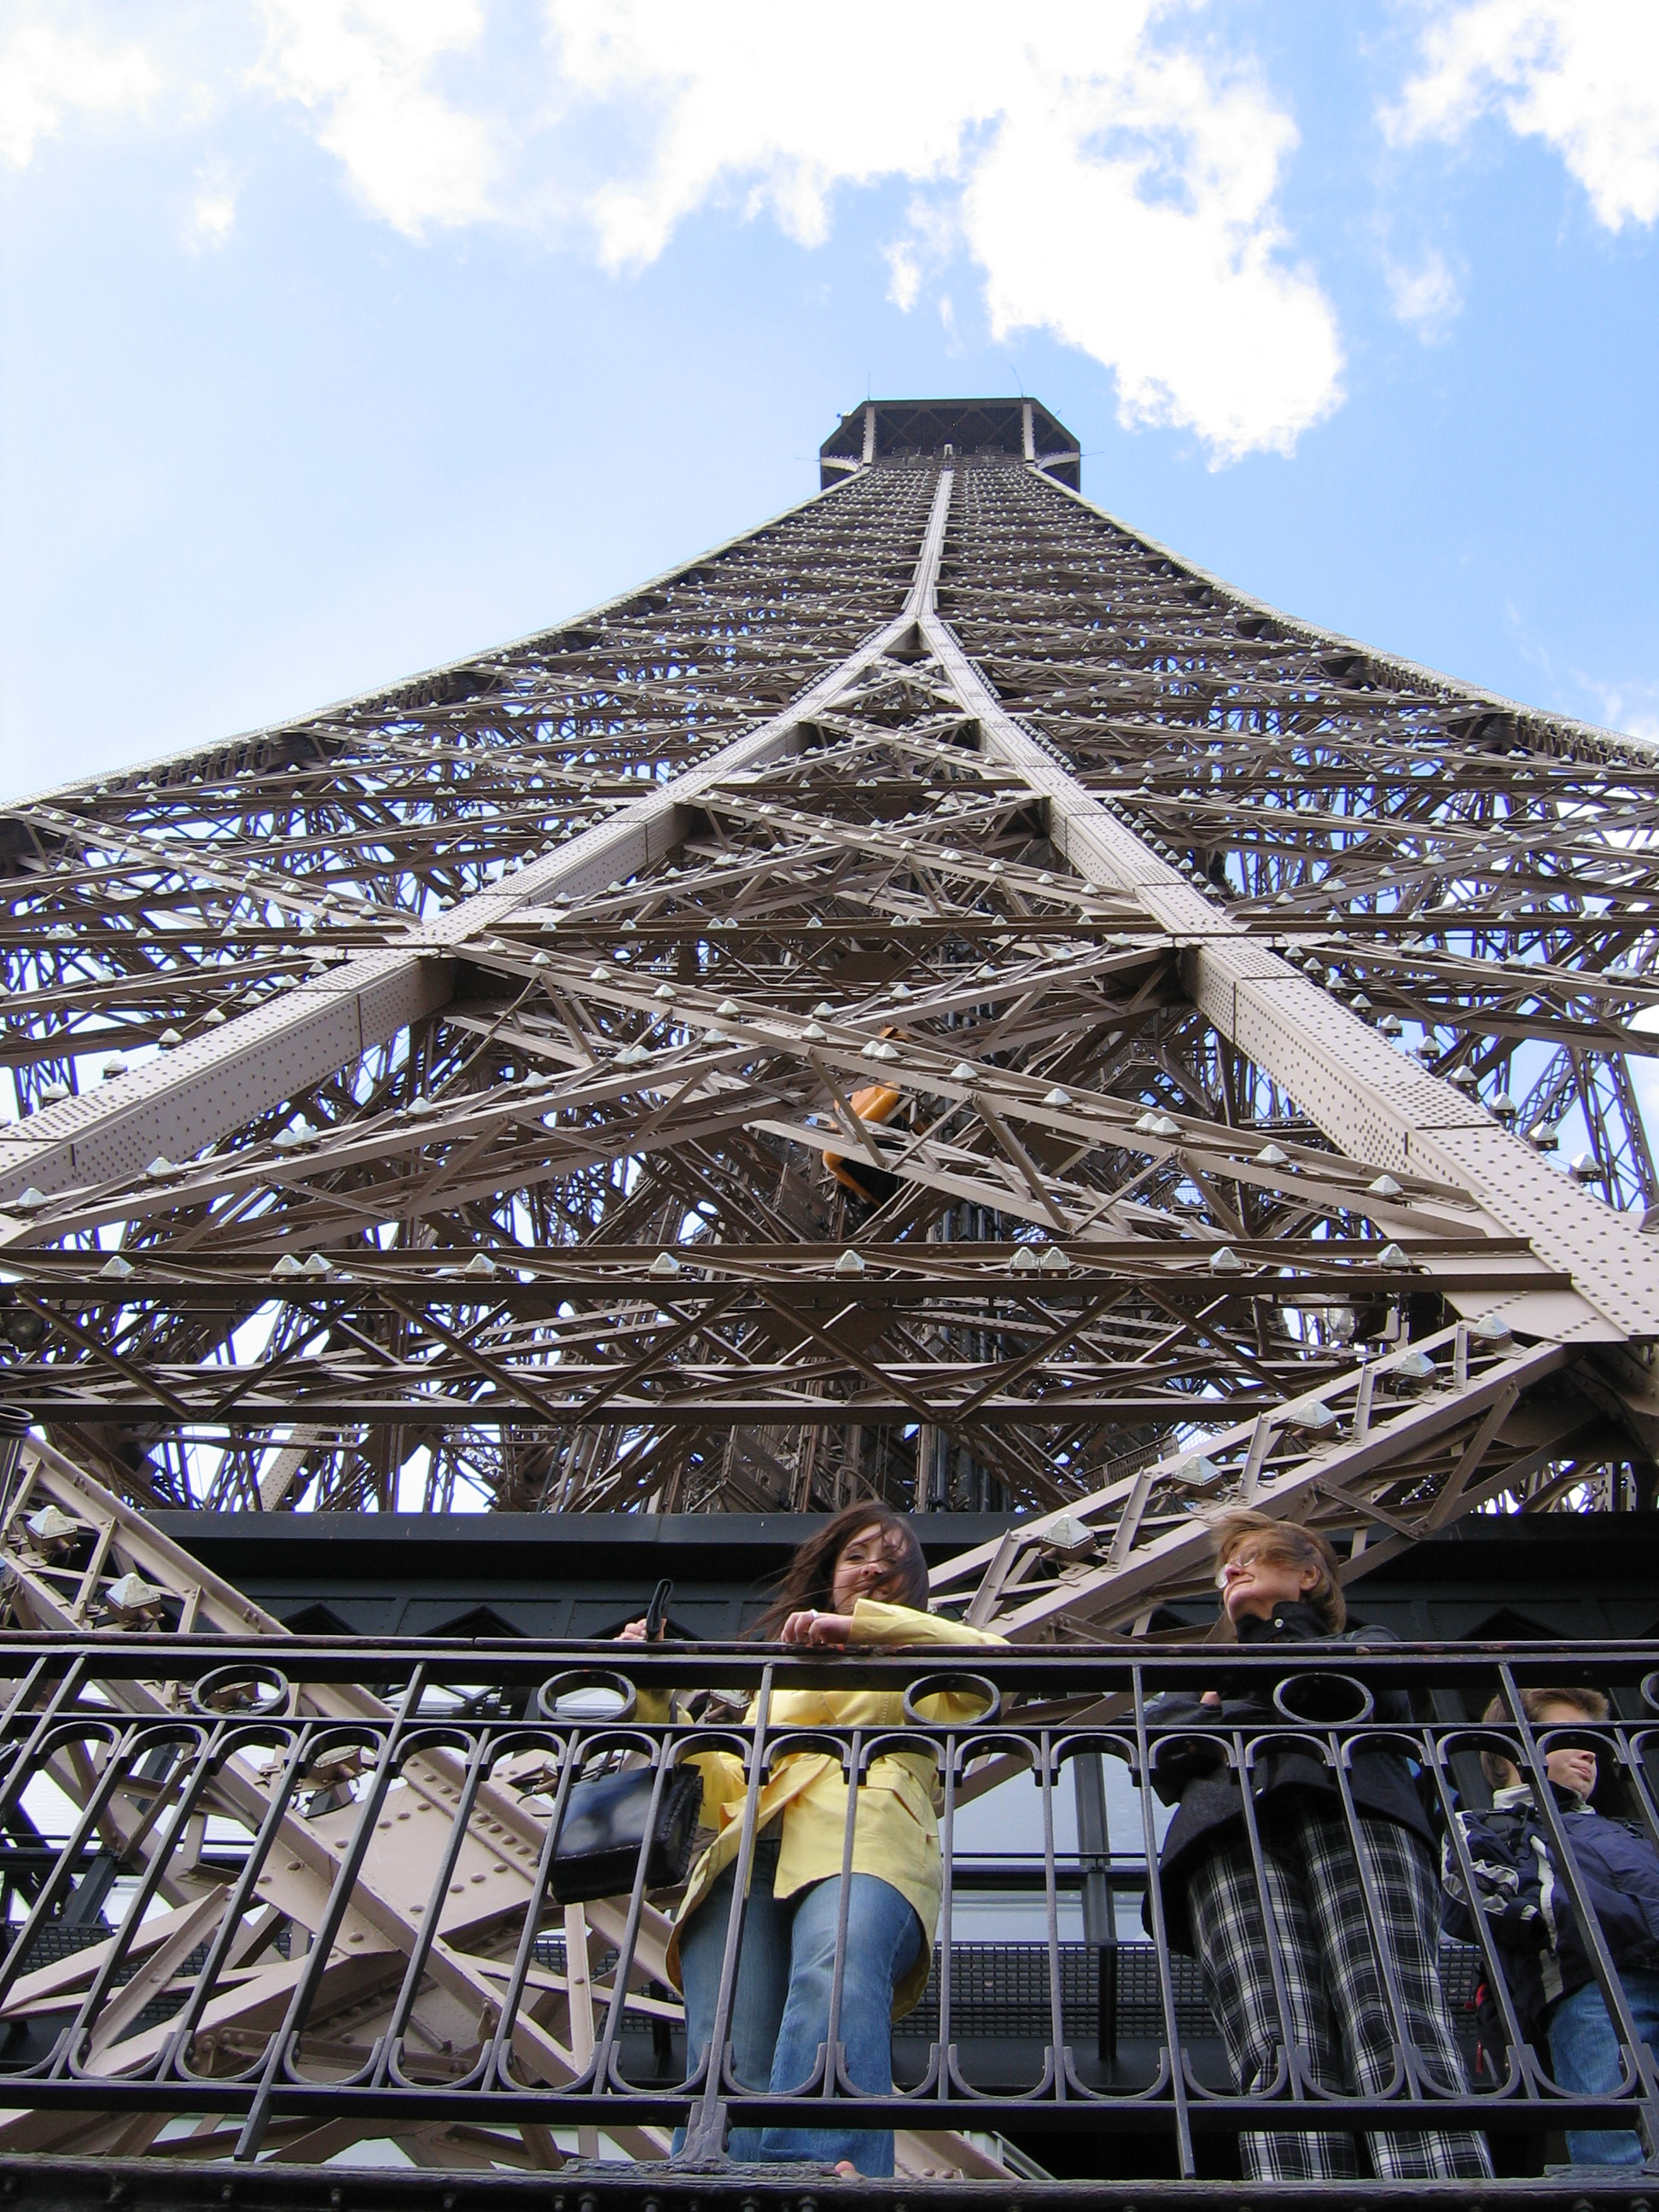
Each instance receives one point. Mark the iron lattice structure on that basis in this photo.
(938, 998)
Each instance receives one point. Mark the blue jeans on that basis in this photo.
(780, 2005)
(1584, 2051)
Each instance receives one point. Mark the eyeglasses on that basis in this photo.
(1236, 1561)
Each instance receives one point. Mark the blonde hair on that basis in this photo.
(1288, 1545)
(1591, 1703)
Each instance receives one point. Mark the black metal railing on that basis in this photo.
(258, 1891)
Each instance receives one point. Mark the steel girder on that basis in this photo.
(916, 1002)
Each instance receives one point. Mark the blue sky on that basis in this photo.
(343, 336)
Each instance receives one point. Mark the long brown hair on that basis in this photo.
(805, 1586)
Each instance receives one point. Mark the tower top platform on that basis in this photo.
(1018, 430)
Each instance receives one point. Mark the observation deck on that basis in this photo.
(887, 430)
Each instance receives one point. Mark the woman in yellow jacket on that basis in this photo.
(861, 1580)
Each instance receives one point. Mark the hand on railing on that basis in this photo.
(824, 1630)
(1180, 1760)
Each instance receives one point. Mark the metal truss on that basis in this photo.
(936, 999)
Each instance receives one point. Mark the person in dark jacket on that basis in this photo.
(1530, 1913)
(1279, 1586)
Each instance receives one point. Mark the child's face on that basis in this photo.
(1569, 1767)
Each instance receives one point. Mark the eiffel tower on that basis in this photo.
(936, 999)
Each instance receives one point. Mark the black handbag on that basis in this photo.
(598, 1853)
(605, 1832)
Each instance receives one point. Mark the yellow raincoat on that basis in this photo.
(896, 1834)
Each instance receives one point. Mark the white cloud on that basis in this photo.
(735, 100)
(1632, 707)
(903, 275)
(363, 69)
(1120, 194)
(1162, 256)
(1427, 297)
(46, 69)
(213, 208)
(1106, 172)
(1581, 75)
(932, 235)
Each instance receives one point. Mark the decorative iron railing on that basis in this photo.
(285, 1900)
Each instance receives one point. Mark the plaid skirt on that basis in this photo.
(1348, 2036)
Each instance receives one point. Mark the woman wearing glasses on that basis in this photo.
(1279, 1585)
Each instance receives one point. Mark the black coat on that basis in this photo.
(1193, 1776)
(1527, 1904)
